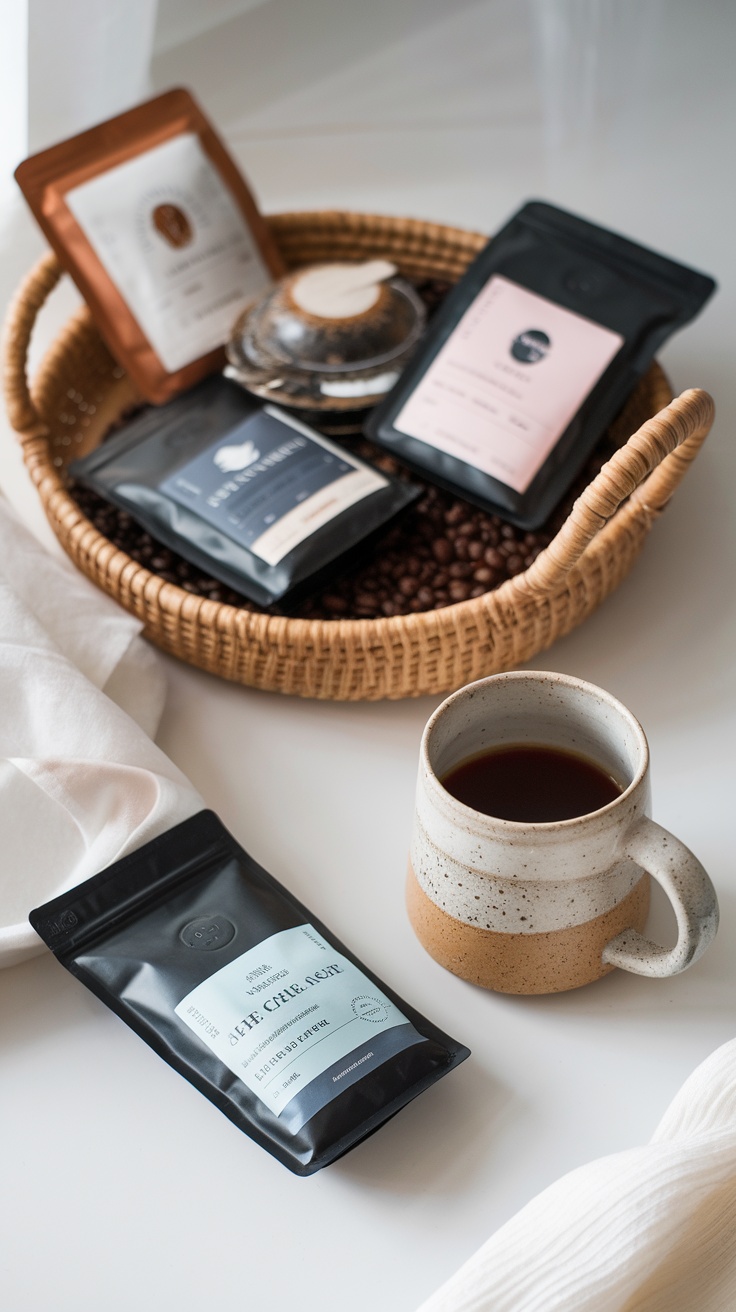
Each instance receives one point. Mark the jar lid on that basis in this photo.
(330, 336)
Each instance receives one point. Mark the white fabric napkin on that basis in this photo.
(652, 1229)
(81, 782)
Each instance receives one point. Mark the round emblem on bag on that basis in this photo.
(530, 346)
(66, 921)
(173, 225)
(367, 1008)
(208, 932)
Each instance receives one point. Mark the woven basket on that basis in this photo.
(80, 390)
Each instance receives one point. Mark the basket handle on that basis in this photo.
(648, 469)
(20, 321)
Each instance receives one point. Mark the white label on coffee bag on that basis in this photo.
(296, 1021)
(510, 377)
(172, 238)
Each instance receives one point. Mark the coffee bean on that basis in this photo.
(442, 551)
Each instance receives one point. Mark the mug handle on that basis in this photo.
(690, 892)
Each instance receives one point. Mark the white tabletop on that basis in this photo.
(122, 1187)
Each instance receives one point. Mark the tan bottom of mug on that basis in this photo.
(523, 963)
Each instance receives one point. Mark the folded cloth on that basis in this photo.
(81, 782)
(647, 1230)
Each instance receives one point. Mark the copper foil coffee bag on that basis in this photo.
(153, 220)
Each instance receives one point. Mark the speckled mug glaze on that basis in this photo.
(539, 908)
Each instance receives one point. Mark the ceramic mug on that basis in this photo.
(539, 908)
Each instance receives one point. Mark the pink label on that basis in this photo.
(507, 382)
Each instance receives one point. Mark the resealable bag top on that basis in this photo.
(246, 994)
(531, 357)
(246, 492)
(153, 220)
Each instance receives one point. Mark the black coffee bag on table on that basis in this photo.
(245, 492)
(246, 994)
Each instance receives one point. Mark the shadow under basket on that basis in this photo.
(79, 391)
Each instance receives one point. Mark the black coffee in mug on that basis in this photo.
(531, 783)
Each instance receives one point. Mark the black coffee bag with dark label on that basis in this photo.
(246, 994)
(246, 492)
(531, 357)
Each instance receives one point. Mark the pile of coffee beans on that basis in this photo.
(441, 551)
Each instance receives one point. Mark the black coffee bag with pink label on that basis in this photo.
(530, 358)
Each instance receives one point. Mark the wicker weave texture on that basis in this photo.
(79, 390)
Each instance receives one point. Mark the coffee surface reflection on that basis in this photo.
(531, 783)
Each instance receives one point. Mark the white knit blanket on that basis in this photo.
(652, 1229)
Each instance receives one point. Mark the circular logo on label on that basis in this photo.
(208, 932)
(369, 1008)
(173, 225)
(530, 346)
